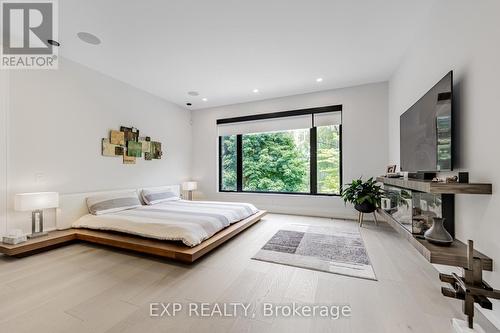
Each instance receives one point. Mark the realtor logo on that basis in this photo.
(29, 33)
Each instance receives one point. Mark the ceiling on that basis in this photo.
(224, 49)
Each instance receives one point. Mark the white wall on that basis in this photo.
(364, 145)
(4, 104)
(57, 119)
(462, 36)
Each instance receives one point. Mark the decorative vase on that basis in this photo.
(365, 207)
(437, 234)
(385, 204)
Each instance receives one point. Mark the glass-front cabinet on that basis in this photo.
(413, 210)
(426, 206)
(398, 204)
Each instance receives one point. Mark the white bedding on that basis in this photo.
(188, 221)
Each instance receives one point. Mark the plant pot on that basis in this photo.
(365, 207)
(437, 234)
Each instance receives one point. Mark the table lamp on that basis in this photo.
(36, 202)
(190, 186)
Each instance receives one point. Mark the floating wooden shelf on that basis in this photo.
(438, 188)
(453, 255)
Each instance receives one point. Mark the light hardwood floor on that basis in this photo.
(87, 288)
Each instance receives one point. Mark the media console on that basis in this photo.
(438, 187)
(424, 199)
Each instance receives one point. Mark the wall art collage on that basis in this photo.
(128, 144)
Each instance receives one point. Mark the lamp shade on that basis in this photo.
(34, 201)
(189, 186)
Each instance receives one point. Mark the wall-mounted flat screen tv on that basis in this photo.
(426, 130)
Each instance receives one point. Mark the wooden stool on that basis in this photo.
(361, 216)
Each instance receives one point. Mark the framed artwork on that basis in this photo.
(156, 150)
(127, 143)
(108, 149)
(119, 150)
(130, 133)
(128, 159)
(136, 133)
(146, 146)
(117, 138)
(134, 148)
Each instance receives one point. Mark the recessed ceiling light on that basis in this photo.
(255, 90)
(53, 42)
(204, 99)
(89, 38)
(319, 79)
(193, 93)
(189, 104)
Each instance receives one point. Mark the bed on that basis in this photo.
(190, 222)
(181, 230)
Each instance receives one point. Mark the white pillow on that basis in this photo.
(154, 197)
(113, 202)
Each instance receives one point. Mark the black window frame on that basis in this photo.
(313, 157)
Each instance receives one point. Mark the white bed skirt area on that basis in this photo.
(188, 221)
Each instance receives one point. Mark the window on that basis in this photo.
(328, 159)
(276, 161)
(228, 163)
(296, 152)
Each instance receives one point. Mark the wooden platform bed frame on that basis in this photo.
(73, 206)
(166, 249)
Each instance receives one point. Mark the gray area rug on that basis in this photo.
(328, 249)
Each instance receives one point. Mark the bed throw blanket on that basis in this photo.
(188, 221)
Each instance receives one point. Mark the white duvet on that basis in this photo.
(188, 221)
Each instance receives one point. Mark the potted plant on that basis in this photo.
(364, 195)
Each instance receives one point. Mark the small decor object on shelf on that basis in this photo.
(463, 177)
(451, 180)
(365, 196)
(437, 233)
(386, 204)
(391, 169)
(390, 172)
(36, 202)
(393, 175)
(190, 187)
(470, 288)
(14, 237)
